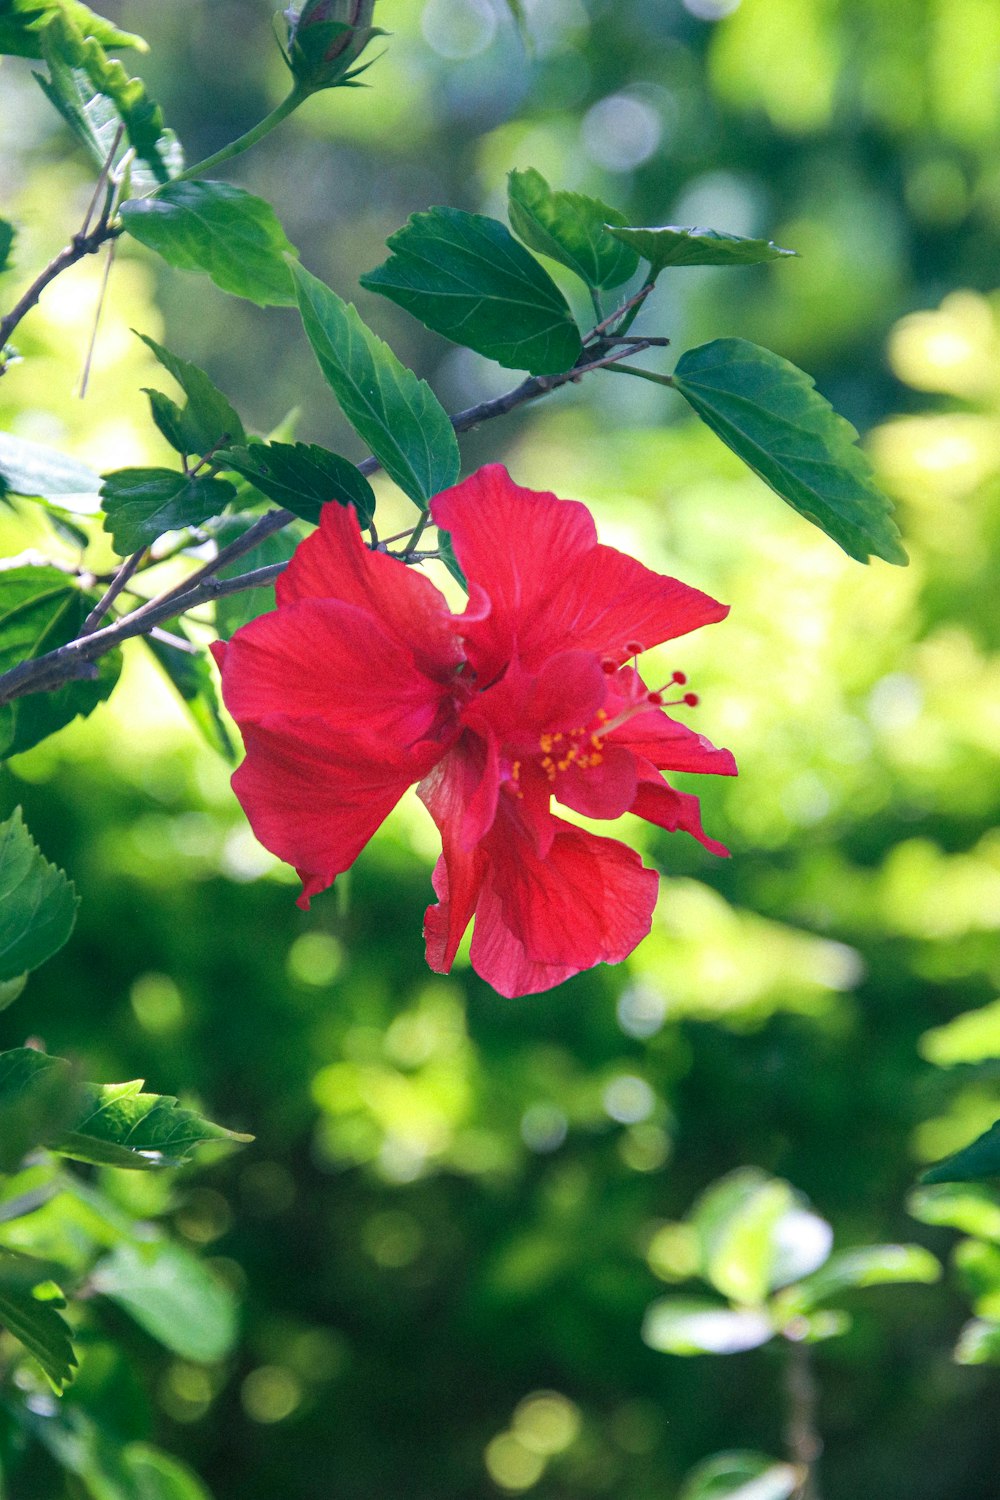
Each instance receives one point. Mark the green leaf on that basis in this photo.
(22, 23)
(116, 1125)
(465, 276)
(234, 610)
(979, 1343)
(867, 1265)
(447, 551)
(158, 1476)
(971, 1037)
(978, 1266)
(7, 233)
(219, 229)
(40, 610)
(66, 46)
(206, 420)
(691, 1325)
(741, 1476)
(756, 1236)
(37, 903)
(38, 1097)
(397, 415)
(173, 1296)
(141, 504)
(774, 419)
(30, 1315)
(90, 115)
(29, 469)
(570, 228)
(302, 477)
(189, 671)
(965, 1206)
(674, 246)
(973, 1162)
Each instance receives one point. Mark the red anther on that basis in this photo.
(655, 698)
(679, 677)
(634, 648)
(691, 699)
(609, 665)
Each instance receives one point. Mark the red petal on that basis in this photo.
(589, 901)
(521, 706)
(660, 803)
(460, 793)
(550, 585)
(604, 791)
(315, 800)
(334, 563)
(321, 658)
(672, 746)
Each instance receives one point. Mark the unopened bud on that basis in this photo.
(325, 40)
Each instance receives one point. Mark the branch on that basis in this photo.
(801, 1434)
(75, 660)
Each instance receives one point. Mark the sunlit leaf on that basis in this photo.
(35, 1322)
(867, 1265)
(160, 1476)
(979, 1160)
(220, 230)
(22, 23)
(570, 228)
(741, 1476)
(755, 1236)
(206, 420)
(90, 115)
(465, 276)
(969, 1038)
(37, 902)
(173, 1296)
(689, 1325)
(979, 1343)
(40, 610)
(397, 415)
(966, 1206)
(116, 1125)
(31, 469)
(303, 477)
(141, 504)
(676, 246)
(771, 415)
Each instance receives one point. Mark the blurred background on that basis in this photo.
(456, 1203)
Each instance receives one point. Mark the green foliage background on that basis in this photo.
(442, 1213)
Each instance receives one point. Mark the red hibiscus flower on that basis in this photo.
(363, 682)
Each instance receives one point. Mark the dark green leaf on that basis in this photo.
(465, 276)
(971, 1164)
(107, 1469)
(116, 1125)
(67, 47)
(673, 246)
(234, 610)
(691, 1325)
(206, 420)
(38, 1097)
(141, 504)
(40, 610)
(771, 415)
(23, 21)
(170, 1293)
(34, 1321)
(397, 415)
(29, 469)
(37, 903)
(6, 241)
(302, 477)
(570, 228)
(229, 234)
(190, 672)
(449, 559)
(741, 1476)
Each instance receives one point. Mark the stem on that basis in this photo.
(74, 660)
(111, 593)
(248, 139)
(801, 1433)
(653, 375)
(80, 246)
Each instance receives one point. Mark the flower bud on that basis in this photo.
(325, 39)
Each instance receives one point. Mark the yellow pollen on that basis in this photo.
(556, 738)
(601, 715)
(546, 743)
(515, 770)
